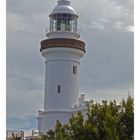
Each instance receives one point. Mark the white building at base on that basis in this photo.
(62, 51)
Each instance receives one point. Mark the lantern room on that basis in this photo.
(63, 17)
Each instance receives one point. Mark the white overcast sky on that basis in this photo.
(106, 69)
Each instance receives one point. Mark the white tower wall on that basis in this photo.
(59, 72)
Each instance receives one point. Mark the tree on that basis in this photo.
(76, 126)
(126, 123)
(105, 121)
(58, 130)
(110, 126)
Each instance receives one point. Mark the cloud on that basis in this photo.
(117, 94)
(105, 14)
(20, 123)
(24, 95)
(108, 61)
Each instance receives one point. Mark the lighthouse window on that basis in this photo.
(63, 22)
(66, 22)
(75, 70)
(58, 88)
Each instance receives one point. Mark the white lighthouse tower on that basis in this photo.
(62, 51)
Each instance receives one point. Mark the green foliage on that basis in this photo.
(58, 130)
(126, 123)
(105, 121)
(43, 137)
(50, 135)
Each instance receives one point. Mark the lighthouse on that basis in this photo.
(62, 50)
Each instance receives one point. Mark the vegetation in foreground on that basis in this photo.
(106, 121)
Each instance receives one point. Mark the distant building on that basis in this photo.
(62, 51)
(14, 134)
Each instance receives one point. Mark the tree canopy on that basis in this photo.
(105, 121)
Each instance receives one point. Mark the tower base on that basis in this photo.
(47, 119)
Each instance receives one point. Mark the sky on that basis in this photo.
(106, 70)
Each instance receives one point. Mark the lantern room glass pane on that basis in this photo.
(63, 22)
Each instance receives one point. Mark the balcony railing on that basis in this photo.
(61, 30)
